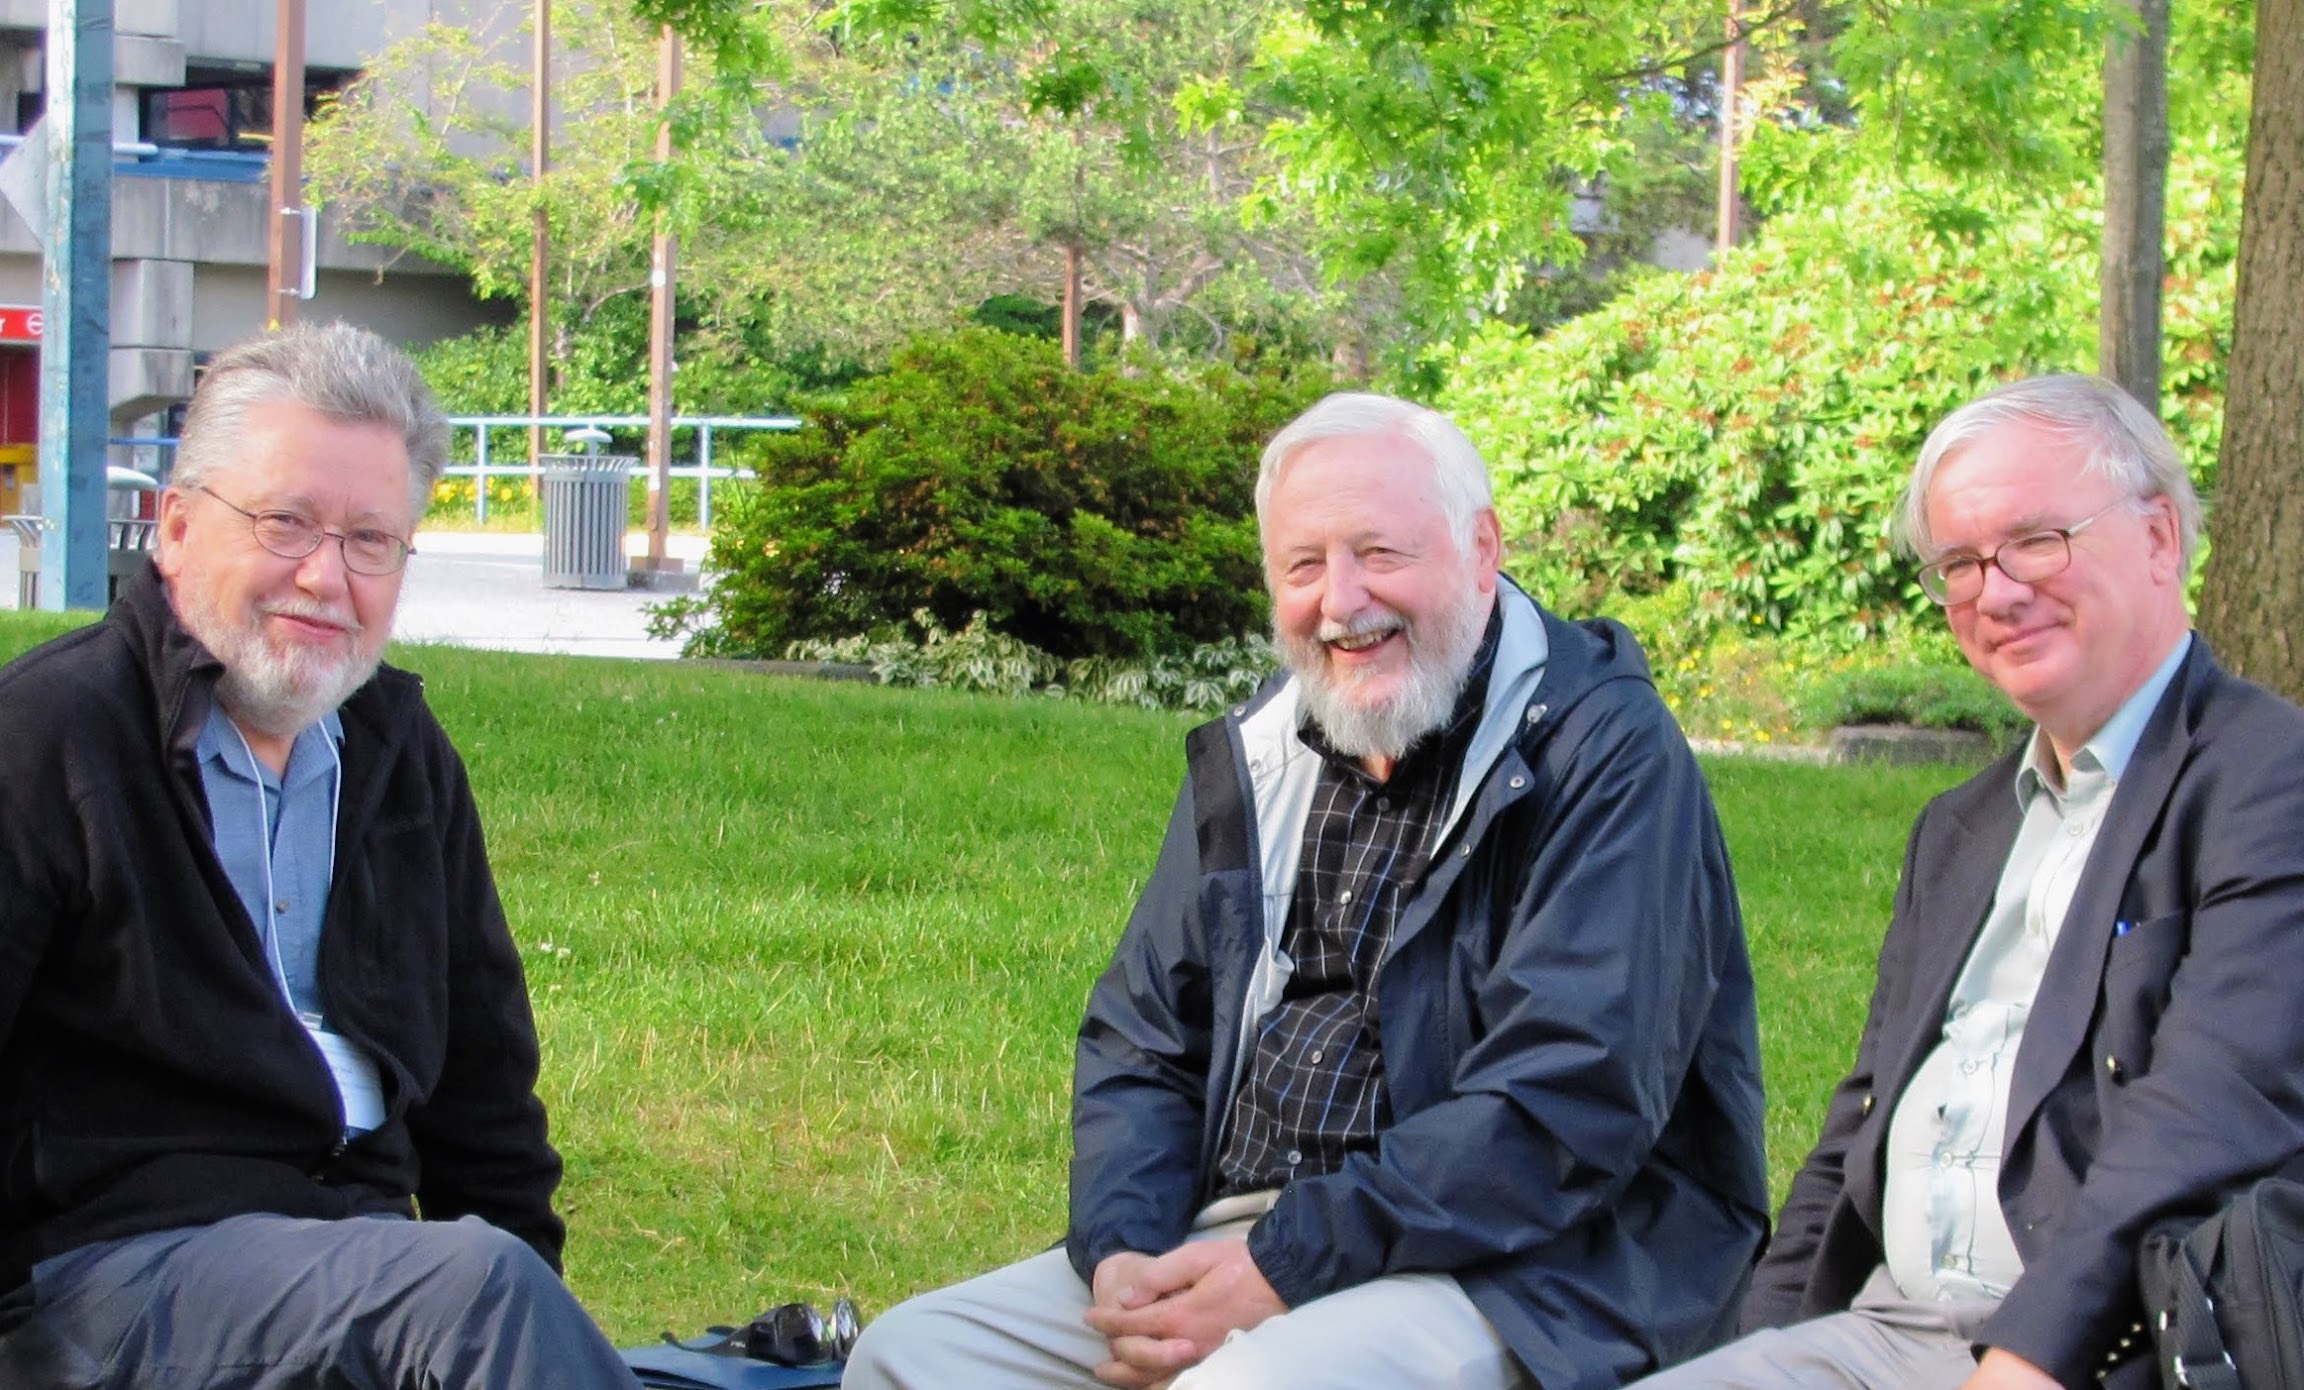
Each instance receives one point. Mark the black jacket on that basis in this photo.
(2160, 1068)
(151, 1075)
(1567, 1022)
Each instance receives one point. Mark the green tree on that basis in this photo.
(1043, 129)
(1447, 140)
(428, 153)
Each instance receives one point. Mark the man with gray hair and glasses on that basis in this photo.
(267, 1069)
(2085, 1019)
(1428, 1056)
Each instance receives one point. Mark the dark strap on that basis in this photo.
(716, 1341)
(2191, 1347)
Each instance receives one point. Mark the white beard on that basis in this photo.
(276, 693)
(1439, 660)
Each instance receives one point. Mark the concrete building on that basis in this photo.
(192, 115)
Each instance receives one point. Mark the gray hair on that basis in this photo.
(348, 374)
(1458, 472)
(2123, 442)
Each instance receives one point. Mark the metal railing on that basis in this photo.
(702, 469)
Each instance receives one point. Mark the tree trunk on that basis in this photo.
(2252, 604)
(1071, 328)
(2135, 201)
(1731, 91)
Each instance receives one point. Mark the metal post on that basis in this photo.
(1731, 91)
(480, 479)
(76, 304)
(287, 248)
(540, 234)
(704, 477)
(661, 280)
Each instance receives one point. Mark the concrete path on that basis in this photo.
(485, 590)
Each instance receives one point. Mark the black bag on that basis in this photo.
(2225, 1298)
(701, 1365)
(789, 1347)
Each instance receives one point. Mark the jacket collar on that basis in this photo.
(183, 673)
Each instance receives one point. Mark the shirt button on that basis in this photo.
(1345, 896)
(1318, 1056)
(1383, 803)
(1295, 1156)
(280, 906)
(1518, 782)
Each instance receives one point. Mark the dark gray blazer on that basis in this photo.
(2163, 1063)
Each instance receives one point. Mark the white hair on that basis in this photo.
(2123, 442)
(1459, 475)
(346, 373)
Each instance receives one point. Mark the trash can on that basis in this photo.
(587, 498)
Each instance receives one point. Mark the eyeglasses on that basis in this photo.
(2026, 559)
(291, 536)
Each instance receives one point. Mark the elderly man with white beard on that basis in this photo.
(267, 1070)
(1428, 1055)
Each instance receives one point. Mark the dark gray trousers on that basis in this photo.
(276, 1303)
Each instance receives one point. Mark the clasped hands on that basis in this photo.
(1165, 1314)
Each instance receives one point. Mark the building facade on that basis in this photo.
(192, 117)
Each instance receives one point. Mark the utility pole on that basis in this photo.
(76, 304)
(540, 236)
(1731, 88)
(1071, 328)
(660, 299)
(289, 251)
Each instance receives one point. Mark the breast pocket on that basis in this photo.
(2139, 965)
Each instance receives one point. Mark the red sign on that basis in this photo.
(19, 323)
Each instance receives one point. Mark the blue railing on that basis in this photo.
(701, 427)
(141, 159)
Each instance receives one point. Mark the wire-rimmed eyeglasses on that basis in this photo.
(2027, 559)
(292, 536)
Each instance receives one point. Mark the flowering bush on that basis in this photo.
(1746, 430)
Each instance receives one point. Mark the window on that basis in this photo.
(234, 113)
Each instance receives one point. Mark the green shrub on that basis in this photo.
(1208, 677)
(1929, 694)
(1745, 430)
(974, 658)
(1103, 513)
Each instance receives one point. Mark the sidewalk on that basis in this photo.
(478, 589)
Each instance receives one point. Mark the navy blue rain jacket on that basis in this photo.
(1566, 1017)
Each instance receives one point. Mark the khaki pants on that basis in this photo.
(1022, 1327)
(1884, 1341)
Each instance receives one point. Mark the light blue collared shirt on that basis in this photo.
(1945, 1235)
(275, 834)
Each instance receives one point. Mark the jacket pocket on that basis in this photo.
(2138, 966)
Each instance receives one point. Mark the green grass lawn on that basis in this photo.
(807, 957)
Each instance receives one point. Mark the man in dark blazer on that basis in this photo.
(2088, 1015)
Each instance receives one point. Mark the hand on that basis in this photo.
(1167, 1315)
(1141, 1363)
(2005, 1370)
